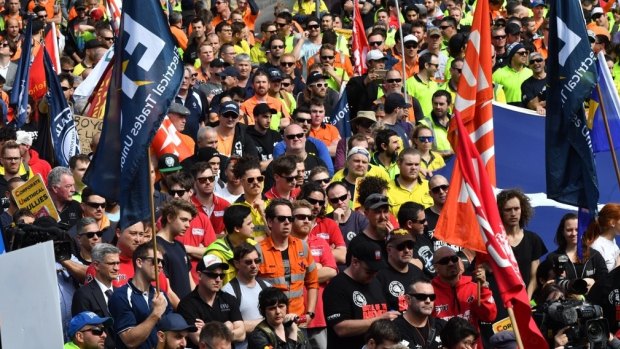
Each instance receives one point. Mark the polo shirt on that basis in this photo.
(200, 232)
(399, 195)
(327, 229)
(511, 80)
(440, 132)
(326, 133)
(129, 308)
(422, 91)
(247, 108)
(217, 215)
(436, 162)
(176, 266)
(260, 226)
(392, 170)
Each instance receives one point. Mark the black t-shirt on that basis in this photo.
(264, 142)
(528, 250)
(71, 214)
(606, 293)
(418, 337)
(423, 251)
(176, 266)
(531, 88)
(346, 299)
(225, 308)
(395, 285)
(356, 223)
(431, 222)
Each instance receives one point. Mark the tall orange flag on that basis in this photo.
(457, 224)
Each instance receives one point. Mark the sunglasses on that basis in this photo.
(252, 261)
(91, 235)
(178, 193)
(285, 84)
(272, 31)
(322, 181)
(277, 47)
(522, 53)
(66, 88)
(95, 205)
(421, 221)
(537, 60)
(597, 16)
(302, 121)
(405, 245)
(212, 275)
(315, 201)
(288, 179)
(447, 260)
(338, 199)
(204, 180)
(281, 25)
(230, 115)
(109, 38)
(423, 296)
(325, 58)
(304, 217)
(426, 139)
(499, 37)
(153, 259)
(320, 85)
(437, 189)
(287, 64)
(96, 331)
(293, 136)
(313, 26)
(444, 27)
(283, 219)
(411, 46)
(259, 179)
(393, 81)
(375, 43)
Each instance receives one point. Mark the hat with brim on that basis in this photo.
(375, 55)
(169, 163)
(179, 109)
(398, 236)
(211, 262)
(375, 201)
(175, 322)
(366, 251)
(86, 318)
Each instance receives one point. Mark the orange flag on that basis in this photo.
(169, 140)
(457, 224)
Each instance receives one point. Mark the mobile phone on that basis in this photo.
(380, 74)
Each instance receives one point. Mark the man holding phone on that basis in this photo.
(362, 90)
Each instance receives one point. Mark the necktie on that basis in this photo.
(108, 293)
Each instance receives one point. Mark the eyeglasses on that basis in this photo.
(393, 81)
(289, 179)
(204, 180)
(252, 261)
(178, 193)
(313, 26)
(426, 139)
(537, 60)
(338, 199)
(259, 179)
(303, 217)
(423, 296)
(283, 219)
(12, 159)
(212, 275)
(96, 204)
(405, 245)
(375, 43)
(287, 64)
(410, 46)
(91, 235)
(153, 259)
(499, 37)
(277, 47)
(96, 331)
(447, 260)
(522, 53)
(437, 189)
(325, 58)
(315, 201)
(319, 85)
(293, 136)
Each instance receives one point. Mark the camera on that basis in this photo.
(585, 322)
(4, 204)
(575, 286)
(44, 229)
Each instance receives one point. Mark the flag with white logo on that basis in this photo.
(168, 141)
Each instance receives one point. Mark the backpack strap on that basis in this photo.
(236, 288)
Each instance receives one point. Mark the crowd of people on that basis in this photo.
(277, 231)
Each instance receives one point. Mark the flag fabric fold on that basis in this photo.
(65, 137)
(571, 70)
(19, 93)
(604, 96)
(146, 77)
(477, 186)
(360, 42)
(341, 118)
(474, 104)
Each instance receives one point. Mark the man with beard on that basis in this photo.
(317, 88)
(422, 85)
(377, 211)
(172, 331)
(264, 138)
(400, 272)
(260, 83)
(412, 218)
(416, 325)
(87, 331)
(349, 221)
(387, 147)
(408, 185)
(275, 50)
(438, 121)
(232, 138)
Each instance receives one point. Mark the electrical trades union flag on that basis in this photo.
(145, 79)
(571, 175)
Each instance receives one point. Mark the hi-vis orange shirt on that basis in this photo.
(303, 272)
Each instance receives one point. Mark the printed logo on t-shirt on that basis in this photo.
(359, 299)
(317, 252)
(324, 236)
(396, 288)
(351, 235)
(427, 256)
(198, 231)
(224, 307)
(614, 297)
(218, 213)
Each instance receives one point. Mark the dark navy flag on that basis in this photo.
(341, 118)
(146, 77)
(65, 137)
(571, 175)
(19, 93)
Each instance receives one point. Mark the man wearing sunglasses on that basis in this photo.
(247, 170)
(93, 206)
(86, 331)
(284, 170)
(207, 302)
(88, 236)
(349, 221)
(457, 294)
(411, 217)
(204, 198)
(534, 89)
(417, 325)
(512, 76)
(439, 120)
(287, 261)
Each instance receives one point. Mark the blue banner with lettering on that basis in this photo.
(341, 118)
(146, 77)
(19, 93)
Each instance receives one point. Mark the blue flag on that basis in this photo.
(341, 118)
(146, 77)
(19, 93)
(604, 96)
(2, 248)
(65, 137)
(571, 175)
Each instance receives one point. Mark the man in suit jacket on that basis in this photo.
(95, 295)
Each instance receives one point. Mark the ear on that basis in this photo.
(161, 337)
(409, 224)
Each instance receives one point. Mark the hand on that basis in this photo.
(289, 317)
(159, 304)
(328, 69)
(390, 315)
(259, 204)
(199, 324)
(338, 215)
(561, 339)
(480, 274)
(389, 225)
(229, 325)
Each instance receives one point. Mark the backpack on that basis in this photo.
(237, 288)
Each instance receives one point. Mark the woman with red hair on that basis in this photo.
(602, 232)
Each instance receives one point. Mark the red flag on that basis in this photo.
(169, 140)
(477, 186)
(360, 43)
(113, 12)
(51, 45)
(37, 83)
(97, 100)
(474, 103)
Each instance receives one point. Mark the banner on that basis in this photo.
(146, 77)
(604, 97)
(19, 93)
(341, 118)
(87, 127)
(33, 195)
(360, 42)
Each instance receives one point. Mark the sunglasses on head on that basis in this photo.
(422, 296)
(293, 136)
(338, 199)
(258, 179)
(447, 260)
(91, 235)
(303, 217)
(178, 193)
(283, 219)
(95, 205)
(437, 189)
(204, 180)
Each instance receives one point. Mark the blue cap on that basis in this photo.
(229, 107)
(86, 318)
(538, 3)
(175, 322)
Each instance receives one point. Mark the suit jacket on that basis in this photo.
(91, 298)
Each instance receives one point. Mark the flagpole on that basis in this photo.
(515, 328)
(609, 137)
(153, 227)
(402, 50)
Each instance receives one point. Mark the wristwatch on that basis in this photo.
(310, 314)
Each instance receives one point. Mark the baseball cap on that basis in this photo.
(263, 108)
(175, 322)
(597, 11)
(229, 71)
(24, 138)
(358, 150)
(375, 201)
(210, 262)
(169, 163)
(410, 38)
(395, 100)
(434, 31)
(314, 77)
(375, 55)
(538, 3)
(86, 318)
(218, 63)
(422, 11)
(398, 236)
(275, 74)
(178, 108)
(503, 340)
(229, 107)
(368, 252)
(207, 153)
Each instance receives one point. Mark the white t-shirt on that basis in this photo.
(608, 249)
(248, 306)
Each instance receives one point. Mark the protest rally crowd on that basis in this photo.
(276, 226)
